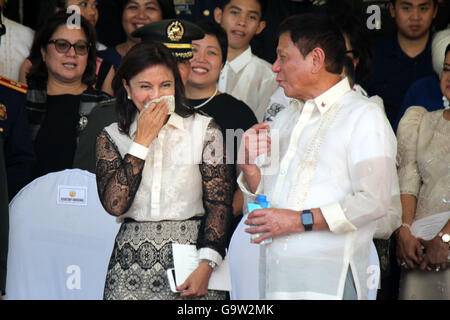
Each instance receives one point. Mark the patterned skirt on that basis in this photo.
(142, 253)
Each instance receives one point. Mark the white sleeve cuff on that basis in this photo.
(246, 189)
(210, 254)
(336, 219)
(138, 150)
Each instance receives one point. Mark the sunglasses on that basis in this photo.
(81, 47)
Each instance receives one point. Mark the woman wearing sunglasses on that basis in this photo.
(60, 94)
(88, 9)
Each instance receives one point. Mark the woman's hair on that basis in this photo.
(214, 29)
(61, 4)
(142, 56)
(47, 9)
(38, 75)
(167, 8)
(447, 49)
(352, 28)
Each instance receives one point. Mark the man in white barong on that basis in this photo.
(327, 166)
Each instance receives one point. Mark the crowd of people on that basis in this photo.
(184, 123)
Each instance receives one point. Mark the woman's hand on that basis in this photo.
(436, 255)
(196, 285)
(150, 122)
(409, 249)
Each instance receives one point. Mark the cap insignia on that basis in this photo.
(175, 31)
(3, 115)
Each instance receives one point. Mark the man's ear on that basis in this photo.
(318, 59)
(392, 10)
(435, 11)
(261, 26)
(218, 15)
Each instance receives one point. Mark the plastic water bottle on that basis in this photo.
(260, 203)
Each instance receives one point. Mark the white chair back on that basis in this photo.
(60, 239)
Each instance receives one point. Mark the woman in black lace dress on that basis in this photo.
(164, 175)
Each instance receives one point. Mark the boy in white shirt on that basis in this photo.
(245, 76)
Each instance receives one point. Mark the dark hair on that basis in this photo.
(262, 3)
(434, 1)
(447, 50)
(139, 58)
(38, 75)
(214, 29)
(352, 28)
(61, 4)
(349, 70)
(47, 9)
(312, 30)
(167, 8)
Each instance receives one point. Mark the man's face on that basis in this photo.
(241, 19)
(413, 17)
(294, 72)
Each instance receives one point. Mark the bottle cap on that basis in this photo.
(262, 198)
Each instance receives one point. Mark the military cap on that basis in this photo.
(175, 34)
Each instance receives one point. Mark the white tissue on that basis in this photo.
(170, 102)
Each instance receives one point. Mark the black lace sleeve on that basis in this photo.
(218, 187)
(117, 179)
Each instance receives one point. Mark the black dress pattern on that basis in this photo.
(143, 250)
(142, 253)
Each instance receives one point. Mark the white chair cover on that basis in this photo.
(57, 249)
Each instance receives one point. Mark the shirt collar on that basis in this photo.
(329, 97)
(396, 51)
(174, 121)
(238, 63)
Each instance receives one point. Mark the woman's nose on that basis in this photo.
(155, 94)
(141, 13)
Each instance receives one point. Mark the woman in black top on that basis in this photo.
(232, 115)
(60, 94)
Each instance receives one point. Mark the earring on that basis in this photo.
(129, 98)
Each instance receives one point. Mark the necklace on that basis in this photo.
(209, 99)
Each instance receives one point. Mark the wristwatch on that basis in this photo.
(307, 220)
(210, 263)
(445, 237)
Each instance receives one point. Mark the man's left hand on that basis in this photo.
(273, 222)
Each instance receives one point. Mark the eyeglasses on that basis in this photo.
(81, 47)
